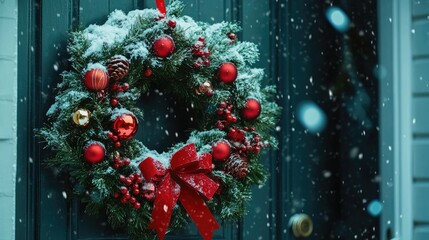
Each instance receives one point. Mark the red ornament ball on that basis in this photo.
(163, 47)
(227, 72)
(96, 79)
(94, 152)
(221, 150)
(125, 126)
(251, 109)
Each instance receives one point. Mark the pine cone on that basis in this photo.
(118, 67)
(236, 166)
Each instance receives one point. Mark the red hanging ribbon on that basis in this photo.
(160, 4)
(186, 181)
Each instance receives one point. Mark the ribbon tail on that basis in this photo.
(200, 183)
(160, 4)
(165, 200)
(199, 212)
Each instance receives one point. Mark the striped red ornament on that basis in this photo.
(96, 79)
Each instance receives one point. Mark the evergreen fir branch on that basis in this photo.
(175, 8)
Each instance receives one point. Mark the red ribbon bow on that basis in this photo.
(186, 181)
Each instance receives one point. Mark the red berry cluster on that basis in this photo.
(226, 116)
(236, 135)
(119, 162)
(114, 139)
(130, 190)
(232, 36)
(200, 51)
(101, 95)
(245, 144)
(171, 23)
(117, 88)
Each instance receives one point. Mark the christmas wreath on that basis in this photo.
(95, 117)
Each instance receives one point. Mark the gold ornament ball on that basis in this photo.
(81, 117)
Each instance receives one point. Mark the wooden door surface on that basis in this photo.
(309, 173)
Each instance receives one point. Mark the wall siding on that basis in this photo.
(420, 80)
(421, 76)
(420, 116)
(8, 106)
(420, 200)
(421, 161)
(421, 233)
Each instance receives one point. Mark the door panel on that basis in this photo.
(55, 23)
(93, 11)
(60, 216)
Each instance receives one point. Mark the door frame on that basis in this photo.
(395, 73)
(25, 224)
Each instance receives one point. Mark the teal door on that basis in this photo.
(46, 208)
(317, 173)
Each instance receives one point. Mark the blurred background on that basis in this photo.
(353, 81)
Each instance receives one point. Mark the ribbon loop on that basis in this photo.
(205, 164)
(160, 4)
(148, 168)
(185, 159)
(151, 170)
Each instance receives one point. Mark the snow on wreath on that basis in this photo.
(93, 122)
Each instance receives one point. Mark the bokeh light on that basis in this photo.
(312, 117)
(375, 207)
(338, 19)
